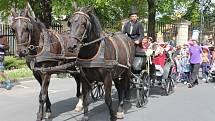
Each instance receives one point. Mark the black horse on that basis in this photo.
(46, 52)
(102, 57)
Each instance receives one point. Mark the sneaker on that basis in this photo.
(190, 85)
(204, 80)
(185, 82)
(8, 85)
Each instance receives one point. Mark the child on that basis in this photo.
(205, 63)
(185, 75)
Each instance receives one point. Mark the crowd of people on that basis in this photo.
(188, 58)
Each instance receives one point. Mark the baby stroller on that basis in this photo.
(163, 76)
(211, 75)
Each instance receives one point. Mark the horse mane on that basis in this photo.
(95, 23)
(37, 22)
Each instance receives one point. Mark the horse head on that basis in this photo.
(22, 28)
(84, 27)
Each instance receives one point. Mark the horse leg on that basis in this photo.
(125, 82)
(78, 82)
(79, 106)
(123, 88)
(43, 96)
(120, 113)
(86, 94)
(108, 99)
(48, 112)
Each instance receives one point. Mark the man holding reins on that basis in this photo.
(133, 28)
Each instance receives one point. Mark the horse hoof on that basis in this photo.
(78, 109)
(39, 117)
(120, 115)
(85, 119)
(47, 115)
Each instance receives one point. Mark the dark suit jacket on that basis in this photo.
(137, 32)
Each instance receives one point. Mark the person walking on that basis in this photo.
(205, 63)
(6, 83)
(195, 62)
(185, 75)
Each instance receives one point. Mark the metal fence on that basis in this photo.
(6, 31)
(168, 30)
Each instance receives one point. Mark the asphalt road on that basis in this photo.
(195, 104)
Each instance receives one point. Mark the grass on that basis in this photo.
(17, 74)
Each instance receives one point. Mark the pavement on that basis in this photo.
(185, 104)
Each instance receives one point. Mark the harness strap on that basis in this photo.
(127, 51)
(82, 13)
(22, 17)
(60, 40)
(115, 47)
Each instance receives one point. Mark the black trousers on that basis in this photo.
(194, 72)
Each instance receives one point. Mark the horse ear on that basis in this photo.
(74, 5)
(13, 12)
(90, 9)
(26, 11)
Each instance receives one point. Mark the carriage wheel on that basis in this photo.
(169, 86)
(97, 91)
(143, 88)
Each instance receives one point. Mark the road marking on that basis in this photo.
(23, 82)
(25, 87)
(56, 91)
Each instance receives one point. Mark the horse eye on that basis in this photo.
(13, 30)
(69, 23)
(27, 29)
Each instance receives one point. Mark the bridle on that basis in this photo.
(88, 27)
(29, 23)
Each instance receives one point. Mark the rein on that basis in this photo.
(96, 40)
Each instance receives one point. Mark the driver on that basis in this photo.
(133, 28)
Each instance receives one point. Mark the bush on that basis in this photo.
(19, 73)
(11, 62)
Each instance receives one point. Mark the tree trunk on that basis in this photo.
(151, 18)
(47, 9)
(42, 10)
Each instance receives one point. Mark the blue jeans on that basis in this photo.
(186, 76)
(205, 69)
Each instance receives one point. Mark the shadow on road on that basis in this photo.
(156, 91)
(63, 106)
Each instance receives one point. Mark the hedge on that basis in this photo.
(11, 62)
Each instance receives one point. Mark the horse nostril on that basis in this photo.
(74, 46)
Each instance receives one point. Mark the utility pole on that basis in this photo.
(201, 20)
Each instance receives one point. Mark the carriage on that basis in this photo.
(92, 56)
(211, 74)
(145, 75)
